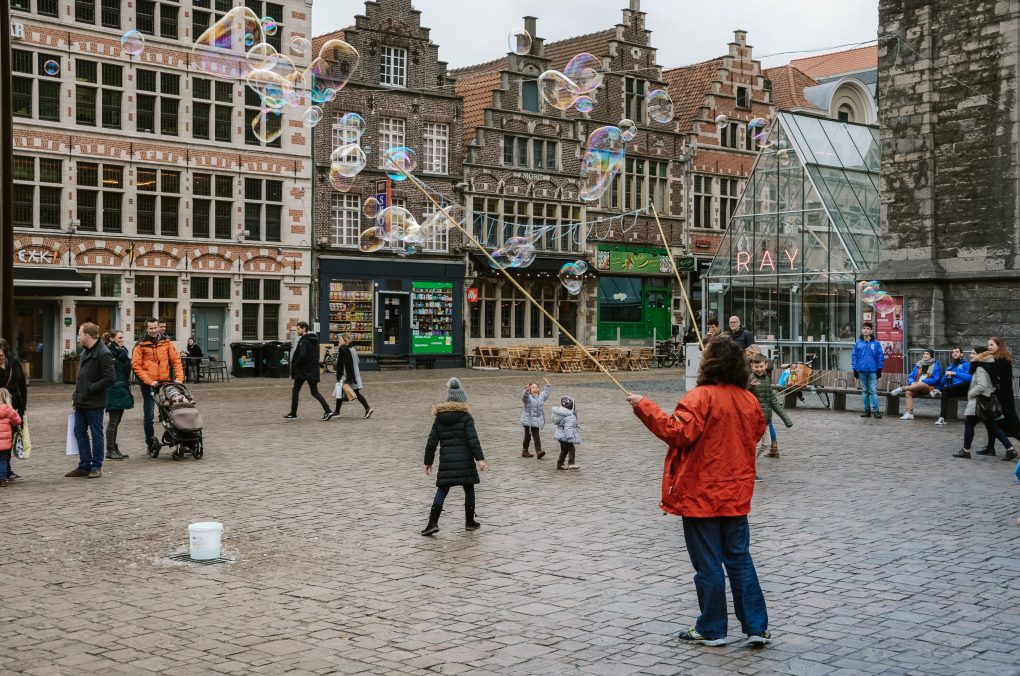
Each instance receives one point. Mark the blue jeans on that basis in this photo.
(148, 411)
(90, 453)
(713, 543)
(5, 464)
(869, 385)
(772, 432)
(469, 495)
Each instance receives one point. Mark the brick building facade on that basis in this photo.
(522, 167)
(140, 189)
(948, 113)
(398, 308)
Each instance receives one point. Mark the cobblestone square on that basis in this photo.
(877, 551)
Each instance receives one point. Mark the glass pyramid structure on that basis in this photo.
(805, 225)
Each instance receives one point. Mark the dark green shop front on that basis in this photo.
(635, 292)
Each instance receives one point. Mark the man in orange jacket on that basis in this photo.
(154, 359)
(708, 480)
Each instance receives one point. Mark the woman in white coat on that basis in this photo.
(982, 384)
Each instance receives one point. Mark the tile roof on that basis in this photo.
(839, 63)
(320, 40)
(788, 83)
(688, 86)
(476, 90)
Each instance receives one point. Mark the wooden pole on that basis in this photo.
(672, 264)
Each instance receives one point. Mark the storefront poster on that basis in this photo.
(633, 261)
(890, 330)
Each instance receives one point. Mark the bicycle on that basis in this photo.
(799, 380)
(328, 362)
(668, 353)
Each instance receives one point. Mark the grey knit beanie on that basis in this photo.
(454, 392)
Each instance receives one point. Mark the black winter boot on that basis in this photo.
(433, 526)
(469, 518)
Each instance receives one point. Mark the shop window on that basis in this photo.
(37, 194)
(620, 299)
(34, 92)
(352, 312)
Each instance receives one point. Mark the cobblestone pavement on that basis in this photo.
(878, 553)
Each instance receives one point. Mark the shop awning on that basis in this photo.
(541, 264)
(48, 281)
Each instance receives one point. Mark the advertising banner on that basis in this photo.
(891, 332)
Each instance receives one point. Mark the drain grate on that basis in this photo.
(205, 562)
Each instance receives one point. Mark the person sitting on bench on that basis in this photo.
(955, 382)
(923, 380)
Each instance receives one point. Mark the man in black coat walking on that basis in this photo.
(96, 374)
(304, 368)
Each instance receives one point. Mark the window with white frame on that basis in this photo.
(391, 135)
(703, 201)
(344, 134)
(345, 226)
(158, 202)
(439, 238)
(393, 66)
(437, 148)
(37, 194)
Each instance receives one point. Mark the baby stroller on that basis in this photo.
(182, 423)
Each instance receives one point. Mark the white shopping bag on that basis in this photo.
(72, 441)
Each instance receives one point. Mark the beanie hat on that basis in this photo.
(454, 392)
(567, 403)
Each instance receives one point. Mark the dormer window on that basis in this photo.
(393, 66)
(743, 98)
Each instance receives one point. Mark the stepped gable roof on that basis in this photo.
(788, 84)
(476, 90)
(838, 63)
(561, 52)
(688, 86)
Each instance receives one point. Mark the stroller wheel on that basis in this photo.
(197, 451)
(178, 453)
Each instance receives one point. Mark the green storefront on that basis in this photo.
(635, 292)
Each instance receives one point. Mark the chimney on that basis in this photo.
(635, 5)
(530, 25)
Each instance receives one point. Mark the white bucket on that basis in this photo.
(205, 540)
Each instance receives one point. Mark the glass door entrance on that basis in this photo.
(394, 323)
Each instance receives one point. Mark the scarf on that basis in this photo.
(926, 365)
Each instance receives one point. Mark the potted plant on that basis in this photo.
(70, 359)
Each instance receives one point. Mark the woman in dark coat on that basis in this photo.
(12, 379)
(118, 397)
(454, 433)
(194, 364)
(348, 370)
(1003, 372)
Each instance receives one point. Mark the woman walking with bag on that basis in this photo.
(12, 379)
(1003, 371)
(118, 397)
(348, 372)
(982, 403)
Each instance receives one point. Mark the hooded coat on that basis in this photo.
(453, 431)
(9, 418)
(305, 364)
(118, 397)
(567, 428)
(533, 414)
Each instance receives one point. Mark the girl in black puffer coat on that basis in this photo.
(454, 433)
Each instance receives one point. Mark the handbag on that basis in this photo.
(988, 408)
(26, 440)
(72, 441)
(18, 445)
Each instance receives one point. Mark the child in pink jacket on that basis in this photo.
(9, 419)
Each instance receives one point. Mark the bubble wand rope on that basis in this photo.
(513, 281)
(815, 377)
(672, 264)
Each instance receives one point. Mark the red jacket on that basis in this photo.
(8, 418)
(712, 434)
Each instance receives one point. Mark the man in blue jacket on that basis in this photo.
(955, 382)
(922, 381)
(867, 360)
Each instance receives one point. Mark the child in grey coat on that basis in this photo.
(533, 416)
(568, 432)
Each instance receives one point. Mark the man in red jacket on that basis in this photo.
(708, 480)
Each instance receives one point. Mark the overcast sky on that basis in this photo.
(683, 31)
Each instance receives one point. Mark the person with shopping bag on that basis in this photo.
(14, 380)
(9, 421)
(96, 374)
(348, 377)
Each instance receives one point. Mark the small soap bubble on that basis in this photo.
(756, 123)
(312, 116)
(347, 161)
(722, 121)
(269, 26)
(249, 39)
(132, 42)
(585, 71)
(659, 106)
(300, 46)
(571, 276)
(372, 239)
(584, 104)
(557, 89)
(267, 125)
(399, 162)
(629, 130)
(519, 42)
(370, 207)
(51, 67)
(884, 304)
